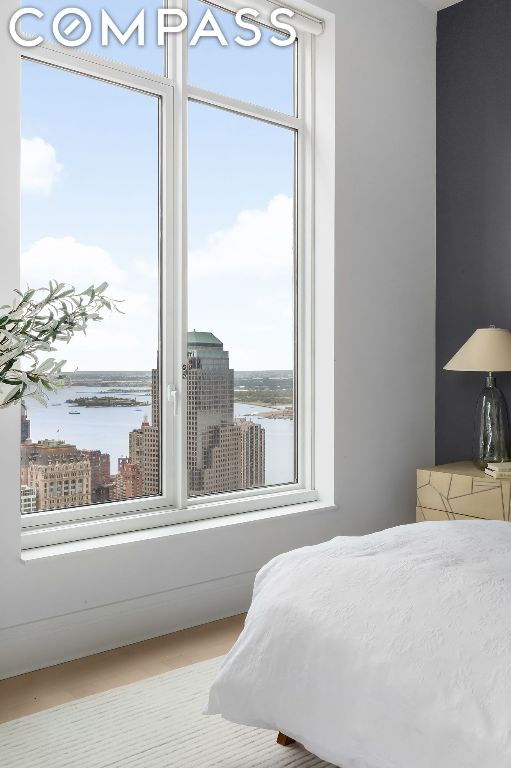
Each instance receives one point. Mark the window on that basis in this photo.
(193, 198)
(79, 232)
(263, 74)
(241, 268)
(149, 57)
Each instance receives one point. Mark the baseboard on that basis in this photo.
(40, 644)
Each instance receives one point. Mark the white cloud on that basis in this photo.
(259, 240)
(39, 166)
(68, 261)
(241, 287)
(147, 269)
(125, 341)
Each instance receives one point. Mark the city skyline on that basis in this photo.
(224, 453)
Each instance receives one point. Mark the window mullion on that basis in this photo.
(168, 373)
(177, 58)
(244, 108)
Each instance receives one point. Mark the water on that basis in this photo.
(107, 429)
(104, 429)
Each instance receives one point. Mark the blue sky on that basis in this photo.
(89, 203)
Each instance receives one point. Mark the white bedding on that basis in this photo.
(385, 651)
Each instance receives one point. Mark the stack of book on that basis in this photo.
(500, 471)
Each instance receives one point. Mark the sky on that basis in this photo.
(90, 197)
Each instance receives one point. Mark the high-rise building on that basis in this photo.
(100, 474)
(210, 404)
(145, 453)
(222, 469)
(155, 396)
(144, 443)
(223, 454)
(60, 485)
(253, 453)
(56, 452)
(128, 482)
(25, 424)
(28, 500)
(46, 452)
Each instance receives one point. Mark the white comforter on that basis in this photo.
(385, 651)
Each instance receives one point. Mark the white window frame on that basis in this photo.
(79, 523)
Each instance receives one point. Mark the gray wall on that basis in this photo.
(474, 202)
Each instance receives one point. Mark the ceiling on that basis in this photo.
(438, 5)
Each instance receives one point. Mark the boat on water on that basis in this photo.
(74, 413)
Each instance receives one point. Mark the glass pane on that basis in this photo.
(263, 74)
(241, 340)
(149, 56)
(90, 210)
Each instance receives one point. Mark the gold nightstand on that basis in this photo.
(461, 492)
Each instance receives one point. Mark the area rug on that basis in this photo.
(156, 723)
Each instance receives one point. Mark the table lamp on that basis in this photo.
(488, 350)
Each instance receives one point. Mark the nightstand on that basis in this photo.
(461, 492)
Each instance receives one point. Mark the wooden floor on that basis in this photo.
(47, 688)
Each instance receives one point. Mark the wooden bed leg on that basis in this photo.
(284, 740)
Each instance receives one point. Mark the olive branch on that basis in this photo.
(36, 320)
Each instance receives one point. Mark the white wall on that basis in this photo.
(384, 136)
(385, 252)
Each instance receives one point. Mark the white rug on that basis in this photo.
(157, 723)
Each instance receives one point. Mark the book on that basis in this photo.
(501, 466)
(498, 475)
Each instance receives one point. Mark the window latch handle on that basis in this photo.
(172, 397)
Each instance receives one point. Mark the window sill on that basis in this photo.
(43, 552)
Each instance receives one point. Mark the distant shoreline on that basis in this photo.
(283, 413)
(272, 390)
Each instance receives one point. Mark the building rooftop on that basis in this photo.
(52, 445)
(203, 339)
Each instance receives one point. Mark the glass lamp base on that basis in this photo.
(491, 438)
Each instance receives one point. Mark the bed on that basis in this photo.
(391, 650)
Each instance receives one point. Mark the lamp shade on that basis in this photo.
(488, 349)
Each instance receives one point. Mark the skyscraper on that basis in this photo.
(224, 454)
(155, 396)
(210, 402)
(128, 481)
(253, 453)
(25, 424)
(144, 451)
(100, 474)
(144, 447)
(222, 469)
